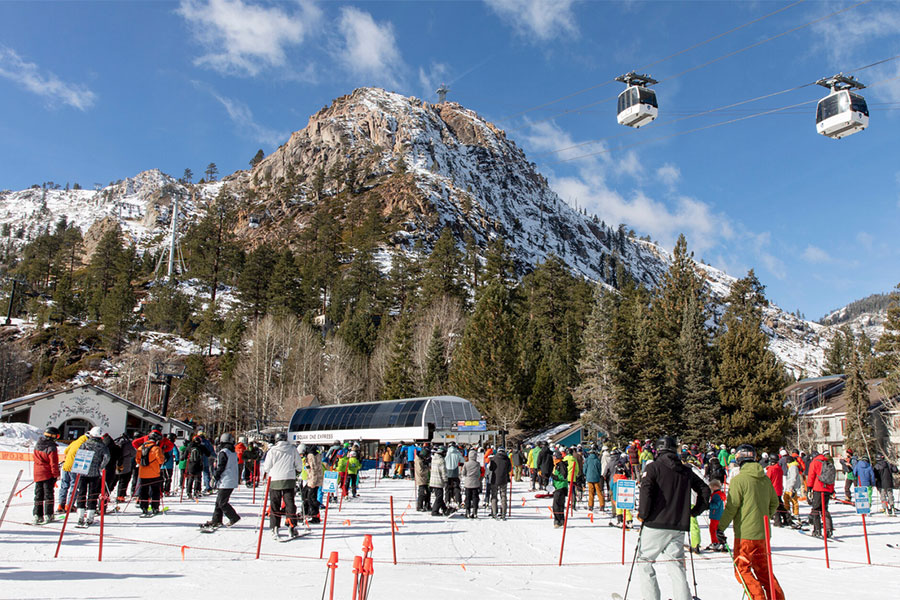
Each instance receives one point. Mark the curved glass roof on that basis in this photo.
(442, 411)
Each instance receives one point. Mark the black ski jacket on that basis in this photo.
(884, 477)
(500, 468)
(666, 494)
(127, 453)
(545, 461)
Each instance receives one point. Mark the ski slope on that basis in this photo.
(437, 558)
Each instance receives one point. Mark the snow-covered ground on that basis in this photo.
(438, 558)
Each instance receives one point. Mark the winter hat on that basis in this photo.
(715, 485)
(783, 452)
(95, 432)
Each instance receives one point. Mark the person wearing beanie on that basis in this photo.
(46, 472)
(560, 480)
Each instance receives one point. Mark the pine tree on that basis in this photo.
(653, 409)
(257, 158)
(596, 394)
(889, 347)
(168, 309)
(103, 268)
(211, 251)
(442, 276)
(212, 171)
(436, 369)
(398, 378)
(749, 378)
(498, 262)
(403, 281)
(253, 281)
(188, 176)
(117, 307)
(838, 355)
(701, 406)
(860, 435)
(484, 364)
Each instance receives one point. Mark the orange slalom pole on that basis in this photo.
(866, 536)
(262, 520)
(333, 565)
(357, 571)
(566, 520)
(68, 511)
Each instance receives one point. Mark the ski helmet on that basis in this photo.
(95, 432)
(226, 438)
(557, 455)
(281, 436)
(155, 437)
(52, 432)
(745, 453)
(666, 443)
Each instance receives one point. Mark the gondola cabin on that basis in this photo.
(841, 113)
(637, 106)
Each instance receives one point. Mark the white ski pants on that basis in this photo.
(667, 546)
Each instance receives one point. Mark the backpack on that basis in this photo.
(828, 474)
(194, 456)
(145, 455)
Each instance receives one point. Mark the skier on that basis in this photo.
(67, 479)
(471, 480)
(226, 475)
(592, 475)
(239, 449)
(452, 462)
(207, 458)
(665, 512)
(884, 481)
(751, 499)
(605, 467)
(792, 489)
(168, 466)
(283, 463)
(865, 476)
(776, 476)
(125, 467)
(422, 475)
(89, 484)
(848, 464)
(352, 470)
(714, 470)
(111, 470)
(437, 481)
(150, 458)
(620, 472)
(517, 459)
(634, 459)
(251, 458)
(560, 481)
(500, 467)
(46, 472)
(820, 484)
(195, 454)
(716, 508)
(533, 452)
(315, 478)
(387, 459)
(545, 465)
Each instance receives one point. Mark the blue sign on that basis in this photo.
(861, 500)
(83, 460)
(625, 489)
(330, 483)
(471, 425)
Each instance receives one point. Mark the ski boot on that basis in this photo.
(37, 520)
(275, 534)
(89, 517)
(49, 518)
(233, 522)
(81, 524)
(293, 532)
(210, 526)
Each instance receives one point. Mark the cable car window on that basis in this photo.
(623, 101)
(648, 97)
(831, 106)
(858, 104)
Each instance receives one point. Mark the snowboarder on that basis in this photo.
(89, 485)
(751, 499)
(150, 459)
(283, 463)
(46, 472)
(471, 480)
(227, 476)
(665, 512)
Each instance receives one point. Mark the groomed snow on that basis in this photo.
(438, 558)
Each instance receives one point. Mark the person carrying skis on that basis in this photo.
(884, 481)
(227, 475)
(282, 464)
(820, 485)
(150, 459)
(751, 500)
(500, 467)
(560, 481)
(471, 481)
(89, 488)
(665, 512)
(46, 472)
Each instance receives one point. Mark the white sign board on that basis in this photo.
(83, 460)
(861, 500)
(330, 483)
(625, 494)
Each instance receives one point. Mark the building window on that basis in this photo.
(826, 428)
(843, 427)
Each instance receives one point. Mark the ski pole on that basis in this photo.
(633, 560)
(738, 571)
(694, 574)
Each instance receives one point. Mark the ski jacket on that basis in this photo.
(282, 463)
(545, 461)
(592, 468)
(71, 449)
(794, 482)
(453, 461)
(101, 456)
(751, 500)
(227, 468)
(812, 479)
(646, 456)
(315, 470)
(423, 470)
(165, 444)
(195, 454)
(470, 473)
(560, 476)
(864, 472)
(388, 455)
(126, 455)
(239, 450)
(155, 457)
(605, 462)
(183, 455)
(776, 476)
(46, 459)
(666, 494)
(633, 455)
(411, 453)
(516, 457)
(722, 457)
(716, 505)
(438, 477)
(884, 472)
(169, 461)
(500, 468)
(715, 470)
(533, 455)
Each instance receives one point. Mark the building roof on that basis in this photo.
(836, 404)
(442, 411)
(11, 405)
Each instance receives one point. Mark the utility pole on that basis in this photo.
(163, 375)
(171, 270)
(12, 299)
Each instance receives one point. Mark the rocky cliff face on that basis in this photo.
(435, 165)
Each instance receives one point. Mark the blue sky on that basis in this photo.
(97, 91)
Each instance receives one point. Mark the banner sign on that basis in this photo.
(625, 494)
(471, 425)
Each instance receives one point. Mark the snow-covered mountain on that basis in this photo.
(436, 165)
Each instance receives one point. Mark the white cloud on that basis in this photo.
(244, 38)
(241, 115)
(772, 263)
(816, 255)
(543, 19)
(369, 49)
(669, 174)
(46, 84)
